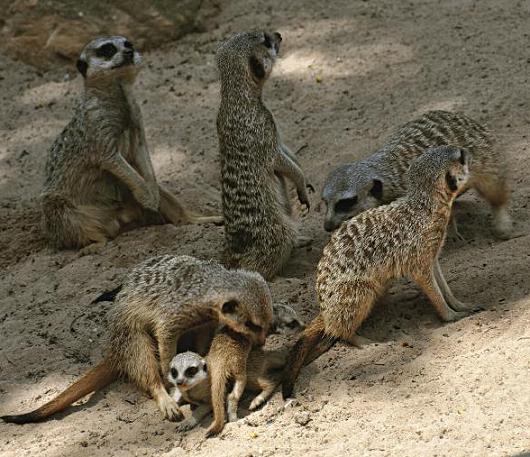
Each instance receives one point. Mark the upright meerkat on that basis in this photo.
(192, 375)
(99, 177)
(381, 177)
(259, 228)
(401, 239)
(161, 298)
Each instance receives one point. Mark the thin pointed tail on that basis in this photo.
(312, 344)
(97, 378)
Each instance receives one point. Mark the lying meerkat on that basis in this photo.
(381, 178)
(285, 321)
(191, 374)
(260, 231)
(99, 177)
(401, 239)
(160, 299)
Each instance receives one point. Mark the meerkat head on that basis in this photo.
(248, 58)
(246, 307)
(348, 191)
(186, 370)
(441, 170)
(285, 320)
(109, 58)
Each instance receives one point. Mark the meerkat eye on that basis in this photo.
(377, 189)
(174, 373)
(106, 51)
(292, 324)
(251, 326)
(128, 44)
(229, 307)
(345, 205)
(191, 372)
(451, 182)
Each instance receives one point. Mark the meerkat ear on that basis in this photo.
(205, 367)
(229, 307)
(377, 189)
(82, 66)
(256, 67)
(451, 182)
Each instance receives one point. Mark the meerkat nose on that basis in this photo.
(329, 226)
(278, 36)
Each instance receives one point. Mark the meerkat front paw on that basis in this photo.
(303, 197)
(187, 424)
(91, 249)
(170, 409)
(150, 199)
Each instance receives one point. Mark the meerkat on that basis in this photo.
(401, 239)
(381, 177)
(260, 231)
(285, 321)
(192, 375)
(99, 178)
(160, 299)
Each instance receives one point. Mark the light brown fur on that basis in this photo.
(403, 238)
(161, 298)
(230, 359)
(99, 179)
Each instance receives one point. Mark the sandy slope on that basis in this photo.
(453, 390)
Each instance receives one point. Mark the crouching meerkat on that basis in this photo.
(401, 239)
(260, 230)
(99, 177)
(160, 299)
(381, 178)
(285, 321)
(193, 378)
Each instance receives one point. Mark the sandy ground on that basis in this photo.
(350, 72)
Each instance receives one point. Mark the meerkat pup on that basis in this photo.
(160, 299)
(381, 177)
(191, 374)
(260, 230)
(99, 177)
(401, 239)
(285, 321)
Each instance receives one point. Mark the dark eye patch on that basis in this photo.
(256, 67)
(251, 326)
(292, 324)
(174, 373)
(451, 182)
(128, 44)
(106, 51)
(190, 372)
(345, 205)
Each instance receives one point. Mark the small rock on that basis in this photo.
(302, 418)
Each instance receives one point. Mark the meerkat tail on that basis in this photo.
(218, 388)
(97, 378)
(109, 295)
(312, 344)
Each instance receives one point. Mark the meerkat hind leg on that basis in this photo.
(234, 397)
(453, 302)
(268, 388)
(175, 213)
(497, 193)
(430, 287)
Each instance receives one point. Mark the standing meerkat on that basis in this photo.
(160, 299)
(401, 239)
(192, 375)
(99, 177)
(381, 177)
(259, 228)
